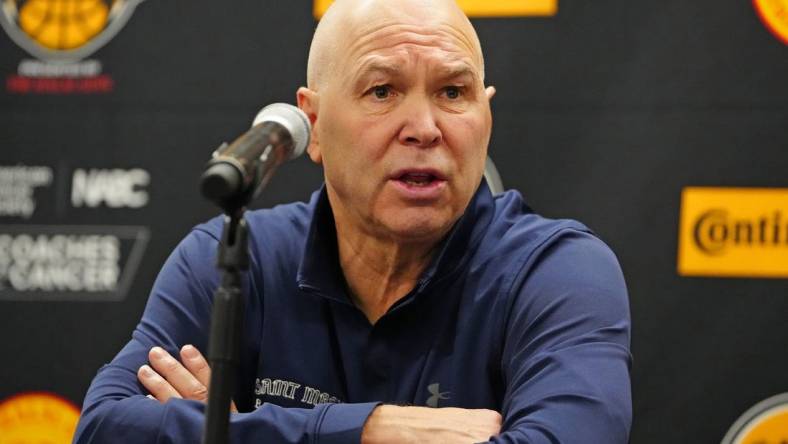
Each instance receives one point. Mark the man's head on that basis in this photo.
(401, 118)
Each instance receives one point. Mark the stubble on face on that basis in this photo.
(416, 48)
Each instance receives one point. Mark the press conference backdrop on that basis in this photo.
(661, 125)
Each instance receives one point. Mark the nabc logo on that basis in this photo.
(733, 232)
(485, 8)
(115, 188)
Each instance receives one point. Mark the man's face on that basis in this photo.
(402, 129)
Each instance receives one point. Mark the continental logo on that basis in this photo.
(64, 30)
(765, 423)
(733, 232)
(485, 8)
(34, 418)
(774, 13)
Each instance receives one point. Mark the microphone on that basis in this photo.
(238, 172)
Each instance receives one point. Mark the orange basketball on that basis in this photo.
(63, 24)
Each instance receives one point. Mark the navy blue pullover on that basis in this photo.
(516, 313)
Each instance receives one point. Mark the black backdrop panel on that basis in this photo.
(604, 113)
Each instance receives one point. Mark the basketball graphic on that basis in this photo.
(764, 423)
(774, 14)
(64, 30)
(32, 418)
(63, 24)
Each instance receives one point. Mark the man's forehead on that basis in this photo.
(400, 66)
(413, 21)
(396, 65)
(352, 29)
(375, 9)
(393, 35)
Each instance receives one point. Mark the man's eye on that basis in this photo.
(453, 92)
(381, 92)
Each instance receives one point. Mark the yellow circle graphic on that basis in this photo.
(769, 427)
(774, 14)
(36, 418)
(63, 24)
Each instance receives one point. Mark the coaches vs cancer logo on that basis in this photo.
(774, 13)
(60, 34)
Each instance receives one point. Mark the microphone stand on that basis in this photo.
(226, 326)
(231, 179)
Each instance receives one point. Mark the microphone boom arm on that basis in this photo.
(232, 178)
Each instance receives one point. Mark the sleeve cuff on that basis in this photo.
(343, 423)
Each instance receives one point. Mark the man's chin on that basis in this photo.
(425, 229)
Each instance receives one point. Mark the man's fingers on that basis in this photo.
(158, 387)
(181, 379)
(194, 361)
(170, 378)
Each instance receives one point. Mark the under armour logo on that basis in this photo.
(437, 395)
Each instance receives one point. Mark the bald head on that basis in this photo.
(346, 21)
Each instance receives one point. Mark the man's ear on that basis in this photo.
(309, 102)
(490, 92)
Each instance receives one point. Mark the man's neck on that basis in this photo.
(379, 272)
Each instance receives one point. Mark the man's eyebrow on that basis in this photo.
(390, 69)
(459, 70)
(377, 66)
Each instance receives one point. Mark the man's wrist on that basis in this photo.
(385, 425)
(343, 423)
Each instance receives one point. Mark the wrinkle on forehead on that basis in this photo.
(399, 60)
(353, 26)
(397, 35)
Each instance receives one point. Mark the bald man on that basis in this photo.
(403, 303)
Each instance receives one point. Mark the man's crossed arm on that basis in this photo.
(566, 358)
(167, 378)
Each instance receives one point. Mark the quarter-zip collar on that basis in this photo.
(320, 271)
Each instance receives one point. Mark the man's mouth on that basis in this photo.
(419, 184)
(418, 179)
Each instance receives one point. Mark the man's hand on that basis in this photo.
(168, 378)
(393, 424)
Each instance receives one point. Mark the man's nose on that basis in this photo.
(420, 127)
